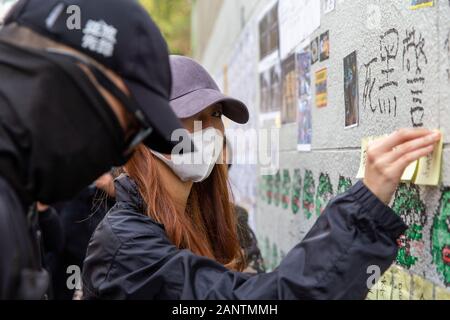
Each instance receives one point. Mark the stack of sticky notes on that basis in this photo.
(425, 171)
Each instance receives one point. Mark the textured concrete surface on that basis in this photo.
(420, 37)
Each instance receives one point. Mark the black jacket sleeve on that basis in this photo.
(21, 274)
(355, 231)
(52, 231)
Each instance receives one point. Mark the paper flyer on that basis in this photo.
(298, 20)
(304, 117)
(321, 89)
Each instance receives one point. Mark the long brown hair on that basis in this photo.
(208, 227)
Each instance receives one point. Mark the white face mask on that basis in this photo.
(197, 166)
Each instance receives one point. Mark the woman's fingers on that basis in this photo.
(403, 162)
(388, 158)
(406, 148)
(397, 138)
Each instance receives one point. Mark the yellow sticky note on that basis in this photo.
(422, 289)
(401, 289)
(422, 4)
(442, 293)
(410, 172)
(384, 286)
(429, 170)
(362, 164)
(278, 121)
(372, 295)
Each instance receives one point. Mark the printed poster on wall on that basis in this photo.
(351, 91)
(243, 85)
(269, 37)
(269, 66)
(304, 115)
(275, 87)
(264, 80)
(298, 20)
(271, 97)
(290, 81)
(418, 4)
(314, 48)
(321, 88)
(325, 46)
(271, 88)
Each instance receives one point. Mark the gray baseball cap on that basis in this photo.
(194, 90)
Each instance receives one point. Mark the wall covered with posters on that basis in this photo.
(331, 74)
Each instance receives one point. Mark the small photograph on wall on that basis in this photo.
(265, 91)
(304, 125)
(269, 37)
(418, 4)
(325, 46)
(275, 88)
(351, 91)
(304, 114)
(290, 81)
(315, 50)
(304, 73)
(321, 88)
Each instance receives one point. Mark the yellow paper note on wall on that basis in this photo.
(422, 289)
(401, 289)
(410, 172)
(372, 295)
(384, 286)
(442, 293)
(429, 169)
(362, 164)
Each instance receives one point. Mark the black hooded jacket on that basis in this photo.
(21, 273)
(52, 143)
(131, 257)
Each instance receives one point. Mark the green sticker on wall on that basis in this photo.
(409, 206)
(441, 237)
(309, 189)
(296, 191)
(324, 193)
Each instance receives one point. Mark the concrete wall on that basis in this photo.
(310, 179)
(204, 14)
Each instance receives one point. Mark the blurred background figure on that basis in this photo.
(247, 238)
(78, 219)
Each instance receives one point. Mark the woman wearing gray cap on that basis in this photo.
(172, 233)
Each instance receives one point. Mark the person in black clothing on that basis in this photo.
(74, 102)
(138, 253)
(77, 220)
(249, 244)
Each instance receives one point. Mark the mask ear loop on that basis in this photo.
(131, 105)
(127, 101)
